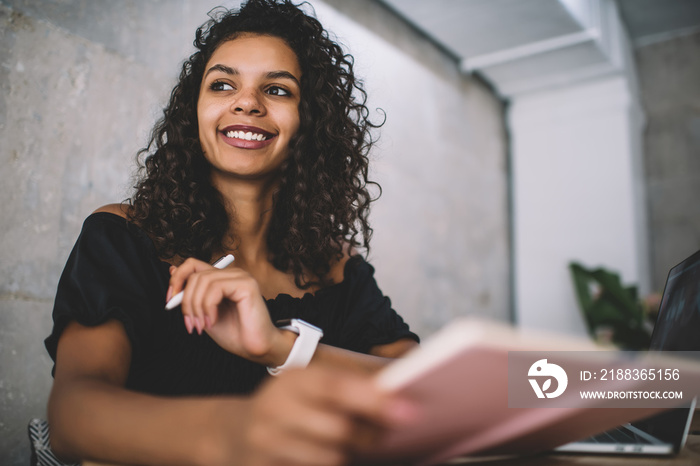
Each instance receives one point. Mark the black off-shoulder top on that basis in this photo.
(114, 272)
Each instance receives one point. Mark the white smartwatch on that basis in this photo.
(304, 346)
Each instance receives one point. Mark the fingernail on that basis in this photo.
(198, 323)
(207, 322)
(188, 324)
(169, 294)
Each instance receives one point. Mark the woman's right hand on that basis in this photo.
(317, 416)
(228, 305)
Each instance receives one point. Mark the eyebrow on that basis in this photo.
(280, 74)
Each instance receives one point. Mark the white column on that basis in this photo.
(577, 195)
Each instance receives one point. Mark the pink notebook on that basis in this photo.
(460, 378)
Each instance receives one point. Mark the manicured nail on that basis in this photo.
(169, 294)
(198, 324)
(207, 322)
(188, 324)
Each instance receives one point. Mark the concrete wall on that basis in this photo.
(81, 86)
(441, 226)
(82, 82)
(669, 75)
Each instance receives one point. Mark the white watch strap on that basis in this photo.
(304, 346)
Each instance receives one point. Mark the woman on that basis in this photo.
(262, 154)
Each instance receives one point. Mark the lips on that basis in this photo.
(246, 137)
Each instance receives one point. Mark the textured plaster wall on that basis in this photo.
(441, 226)
(669, 75)
(78, 94)
(82, 82)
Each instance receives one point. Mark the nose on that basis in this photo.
(247, 101)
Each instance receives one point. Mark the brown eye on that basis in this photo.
(276, 90)
(220, 86)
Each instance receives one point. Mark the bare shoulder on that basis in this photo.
(117, 209)
(123, 210)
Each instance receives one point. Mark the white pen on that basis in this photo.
(176, 300)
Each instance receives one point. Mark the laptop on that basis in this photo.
(677, 328)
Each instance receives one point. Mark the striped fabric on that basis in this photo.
(41, 450)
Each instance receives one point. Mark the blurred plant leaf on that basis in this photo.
(607, 304)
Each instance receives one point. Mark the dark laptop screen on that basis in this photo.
(678, 324)
(677, 328)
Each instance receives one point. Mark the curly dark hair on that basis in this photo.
(323, 200)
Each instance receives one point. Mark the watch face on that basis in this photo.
(283, 323)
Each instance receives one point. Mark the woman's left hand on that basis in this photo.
(228, 305)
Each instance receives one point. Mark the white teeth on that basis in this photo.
(248, 136)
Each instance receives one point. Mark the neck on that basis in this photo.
(249, 205)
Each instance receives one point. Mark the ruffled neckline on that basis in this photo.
(280, 297)
(329, 289)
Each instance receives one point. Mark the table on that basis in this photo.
(689, 456)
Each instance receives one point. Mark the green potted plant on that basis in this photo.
(613, 312)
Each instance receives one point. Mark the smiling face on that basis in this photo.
(248, 107)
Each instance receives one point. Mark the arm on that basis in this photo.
(93, 417)
(379, 356)
(317, 416)
(227, 304)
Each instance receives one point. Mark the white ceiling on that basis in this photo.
(524, 45)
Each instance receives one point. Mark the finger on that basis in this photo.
(213, 287)
(209, 289)
(213, 298)
(313, 419)
(350, 392)
(336, 428)
(199, 288)
(319, 423)
(356, 394)
(188, 306)
(242, 289)
(365, 435)
(180, 274)
(292, 445)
